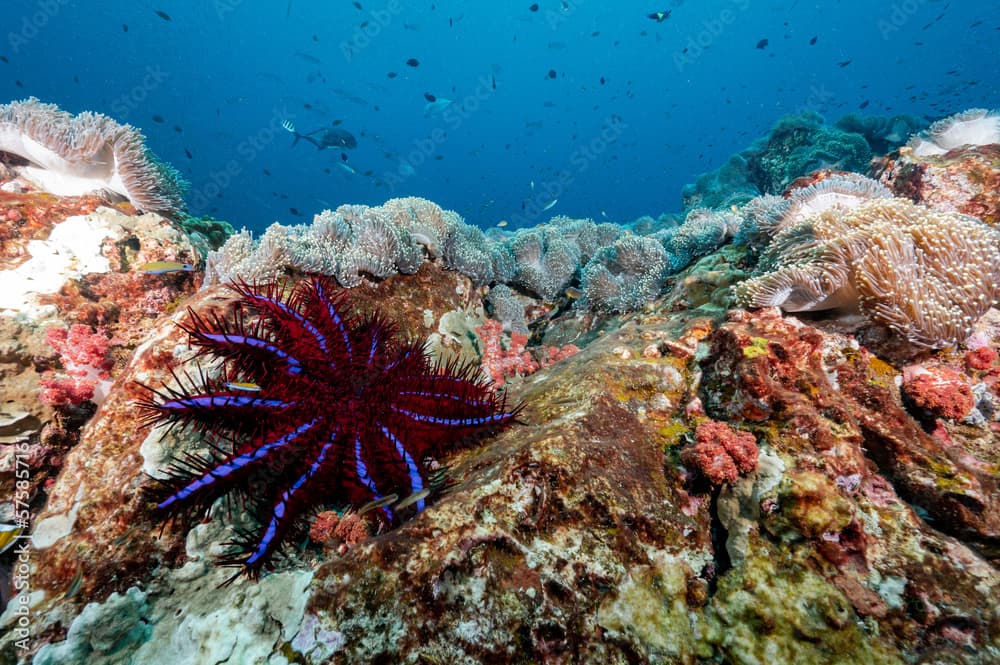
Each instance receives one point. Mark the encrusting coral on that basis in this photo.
(927, 275)
(71, 155)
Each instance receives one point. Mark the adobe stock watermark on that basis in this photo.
(122, 105)
(580, 161)
(224, 8)
(819, 96)
(19, 607)
(248, 150)
(899, 15)
(453, 117)
(566, 10)
(711, 31)
(366, 32)
(33, 23)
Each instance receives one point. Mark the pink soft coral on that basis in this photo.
(84, 357)
(502, 361)
(720, 453)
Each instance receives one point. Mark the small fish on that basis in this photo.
(9, 533)
(437, 107)
(533, 8)
(188, 153)
(734, 208)
(660, 17)
(246, 386)
(74, 584)
(573, 293)
(164, 15)
(413, 62)
(532, 183)
(502, 223)
(813, 40)
(762, 44)
(3, 58)
(163, 267)
(158, 119)
(550, 204)
(413, 498)
(378, 503)
(309, 58)
(124, 27)
(347, 167)
(844, 63)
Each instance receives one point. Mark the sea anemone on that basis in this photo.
(926, 274)
(842, 190)
(972, 127)
(72, 155)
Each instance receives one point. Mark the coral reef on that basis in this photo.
(800, 144)
(691, 482)
(965, 180)
(882, 133)
(72, 155)
(795, 146)
(304, 351)
(927, 275)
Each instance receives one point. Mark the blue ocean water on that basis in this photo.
(597, 105)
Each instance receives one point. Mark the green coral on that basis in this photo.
(214, 231)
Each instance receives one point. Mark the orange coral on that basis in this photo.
(940, 391)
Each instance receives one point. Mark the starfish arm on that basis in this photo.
(285, 510)
(199, 480)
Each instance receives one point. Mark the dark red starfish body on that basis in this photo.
(316, 407)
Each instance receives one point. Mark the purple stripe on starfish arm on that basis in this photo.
(461, 422)
(288, 311)
(214, 401)
(332, 311)
(294, 366)
(236, 463)
(362, 471)
(405, 356)
(264, 544)
(373, 349)
(416, 480)
(447, 396)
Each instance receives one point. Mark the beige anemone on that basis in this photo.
(72, 155)
(928, 275)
